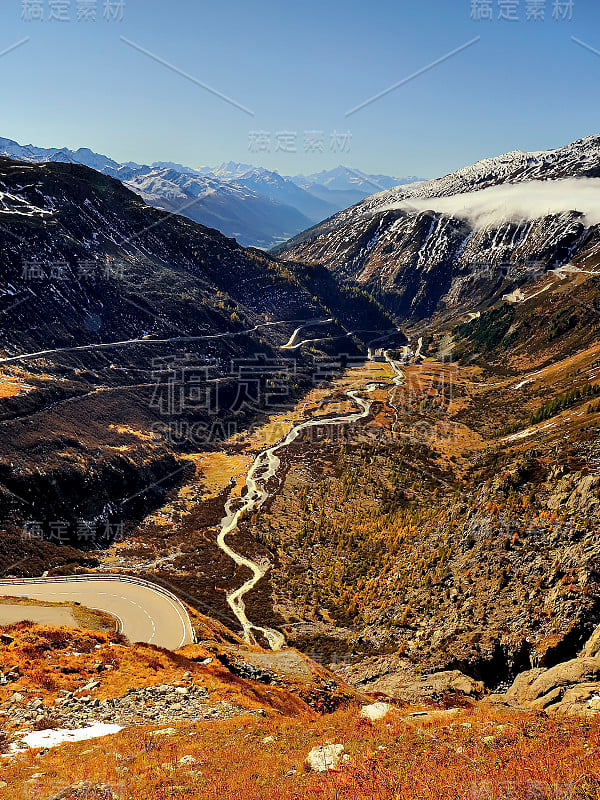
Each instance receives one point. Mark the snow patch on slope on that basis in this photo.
(53, 737)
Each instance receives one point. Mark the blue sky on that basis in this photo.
(300, 67)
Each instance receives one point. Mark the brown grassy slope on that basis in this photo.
(49, 660)
(476, 752)
(426, 531)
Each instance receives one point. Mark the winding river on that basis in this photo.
(264, 468)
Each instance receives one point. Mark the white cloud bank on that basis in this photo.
(514, 202)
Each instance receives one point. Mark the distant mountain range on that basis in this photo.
(256, 206)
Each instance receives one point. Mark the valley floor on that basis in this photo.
(454, 528)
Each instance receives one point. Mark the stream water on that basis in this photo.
(264, 468)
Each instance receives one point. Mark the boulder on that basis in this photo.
(453, 682)
(592, 646)
(576, 492)
(375, 711)
(521, 684)
(163, 732)
(572, 687)
(586, 495)
(528, 687)
(579, 700)
(410, 687)
(325, 757)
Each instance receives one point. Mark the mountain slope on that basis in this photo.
(104, 302)
(419, 251)
(342, 187)
(237, 209)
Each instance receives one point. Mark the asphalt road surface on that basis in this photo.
(145, 614)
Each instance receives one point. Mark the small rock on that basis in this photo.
(434, 715)
(163, 732)
(187, 760)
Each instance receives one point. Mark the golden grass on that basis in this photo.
(481, 752)
(129, 431)
(13, 383)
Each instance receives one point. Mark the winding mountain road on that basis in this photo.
(145, 612)
(142, 340)
(291, 343)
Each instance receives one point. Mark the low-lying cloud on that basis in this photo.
(515, 202)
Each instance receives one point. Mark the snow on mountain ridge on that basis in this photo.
(436, 244)
(246, 200)
(579, 158)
